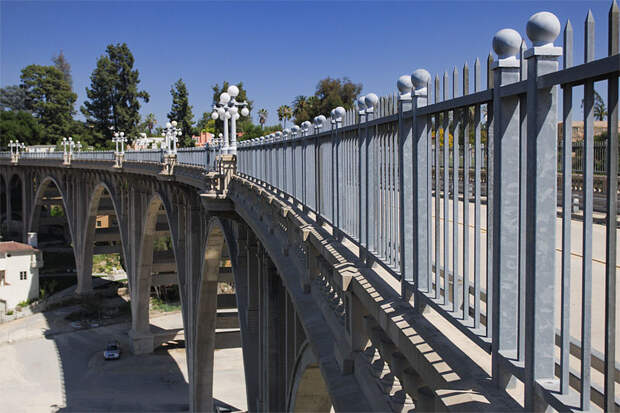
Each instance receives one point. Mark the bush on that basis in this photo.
(10, 312)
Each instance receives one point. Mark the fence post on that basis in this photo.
(406, 192)
(542, 29)
(362, 167)
(506, 70)
(421, 187)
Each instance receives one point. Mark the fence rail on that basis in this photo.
(489, 269)
(203, 157)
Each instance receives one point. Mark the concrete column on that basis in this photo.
(275, 340)
(251, 334)
(202, 386)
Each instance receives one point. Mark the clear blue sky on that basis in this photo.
(278, 49)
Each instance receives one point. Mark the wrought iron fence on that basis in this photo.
(488, 269)
(94, 155)
(151, 155)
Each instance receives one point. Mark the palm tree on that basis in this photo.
(284, 113)
(150, 122)
(262, 117)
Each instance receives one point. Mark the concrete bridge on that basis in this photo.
(366, 277)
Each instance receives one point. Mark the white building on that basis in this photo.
(19, 273)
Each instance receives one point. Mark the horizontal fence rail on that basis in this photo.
(469, 227)
(202, 157)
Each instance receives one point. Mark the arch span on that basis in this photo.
(100, 192)
(142, 337)
(308, 391)
(49, 223)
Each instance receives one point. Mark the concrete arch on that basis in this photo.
(88, 236)
(15, 206)
(308, 391)
(35, 215)
(203, 346)
(142, 337)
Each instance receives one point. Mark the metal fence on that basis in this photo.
(94, 155)
(203, 157)
(488, 269)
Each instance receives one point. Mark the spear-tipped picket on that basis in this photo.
(568, 45)
(490, 71)
(455, 83)
(589, 38)
(437, 96)
(477, 76)
(523, 61)
(614, 23)
(446, 85)
(465, 79)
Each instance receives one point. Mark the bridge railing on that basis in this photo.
(489, 268)
(42, 155)
(149, 155)
(94, 155)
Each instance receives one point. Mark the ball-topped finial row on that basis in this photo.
(542, 29)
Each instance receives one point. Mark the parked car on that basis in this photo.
(112, 351)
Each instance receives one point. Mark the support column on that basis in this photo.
(202, 386)
(252, 339)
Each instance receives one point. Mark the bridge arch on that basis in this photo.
(101, 191)
(203, 343)
(15, 207)
(157, 205)
(50, 192)
(308, 391)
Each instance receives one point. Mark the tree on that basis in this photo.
(149, 123)
(330, 93)
(50, 99)
(113, 96)
(181, 111)
(61, 63)
(20, 125)
(284, 113)
(13, 98)
(205, 124)
(599, 109)
(262, 117)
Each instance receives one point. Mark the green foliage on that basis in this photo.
(13, 98)
(50, 99)
(256, 131)
(19, 125)
(61, 63)
(162, 243)
(148, 124)
(164, 306)
(57, 211)
(205, 124)
(27, 302)
(106, 263)
(284, 113)
(181, 111)
(330, 93)
(262, 116)
(113, 96)
(10, 312)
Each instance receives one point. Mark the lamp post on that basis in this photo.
(15, 146)
(119, 155)
(67, 144)
(228, 108)
(171, 135)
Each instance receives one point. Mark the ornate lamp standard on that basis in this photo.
(15, 146)
(67, 144)
(228, 108)
(119, 138)
(171, 135)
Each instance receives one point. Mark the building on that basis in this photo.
(599, 127)
(19, 273)
(203, 139)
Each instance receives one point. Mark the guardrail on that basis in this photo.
(203, 157)
(370, 176)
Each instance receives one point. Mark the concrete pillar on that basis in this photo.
(202, 386)
(250, 335)
(275, 340)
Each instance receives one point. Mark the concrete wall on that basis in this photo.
(14, 290)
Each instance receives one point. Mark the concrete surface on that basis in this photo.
(65, 371)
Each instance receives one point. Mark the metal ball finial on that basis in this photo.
(506, 43)
(543, 28)
(404, 84)
(361, 103)
(371, 100)
(420, 78)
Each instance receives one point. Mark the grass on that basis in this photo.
(27, 302)
(164, 306)
(106, 263)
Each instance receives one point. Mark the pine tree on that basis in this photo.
(50, 99)
(63, 65)
(114, 95)
(181, 111)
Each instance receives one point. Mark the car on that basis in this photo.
(112, 351)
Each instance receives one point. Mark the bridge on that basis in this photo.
(382, 259)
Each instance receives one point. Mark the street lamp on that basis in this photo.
(228, 108)
(172, 133)
(15, 146)
(119, 138)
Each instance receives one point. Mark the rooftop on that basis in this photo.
(12, 246)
